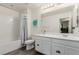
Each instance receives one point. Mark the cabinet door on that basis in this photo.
(43, 45)
(38, 45)
(46, 46)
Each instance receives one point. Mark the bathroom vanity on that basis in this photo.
(56, 44)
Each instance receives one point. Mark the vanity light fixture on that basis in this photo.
(50, 5)
(47, 6)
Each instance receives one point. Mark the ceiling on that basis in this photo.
(24, 6)
(15, 6)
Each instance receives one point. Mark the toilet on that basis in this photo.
(29, 44)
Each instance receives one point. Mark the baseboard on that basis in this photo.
(10, 46)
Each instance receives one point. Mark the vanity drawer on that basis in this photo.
(57, 49)
(66, 42)
(71, 51)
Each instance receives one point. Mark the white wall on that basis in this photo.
(9, 30)
(35, 14)
(51, 22)
(29, 25)
(9, 24)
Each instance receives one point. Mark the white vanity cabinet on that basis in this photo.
(42, 45)
(56, 46)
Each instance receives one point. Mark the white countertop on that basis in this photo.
(60, 36)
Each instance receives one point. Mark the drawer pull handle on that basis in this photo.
(58, 52)
(37, 44)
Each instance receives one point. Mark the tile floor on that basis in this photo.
(23, 51)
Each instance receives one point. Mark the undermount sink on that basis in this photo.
(65, 35)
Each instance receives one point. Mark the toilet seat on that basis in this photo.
(29, 41)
